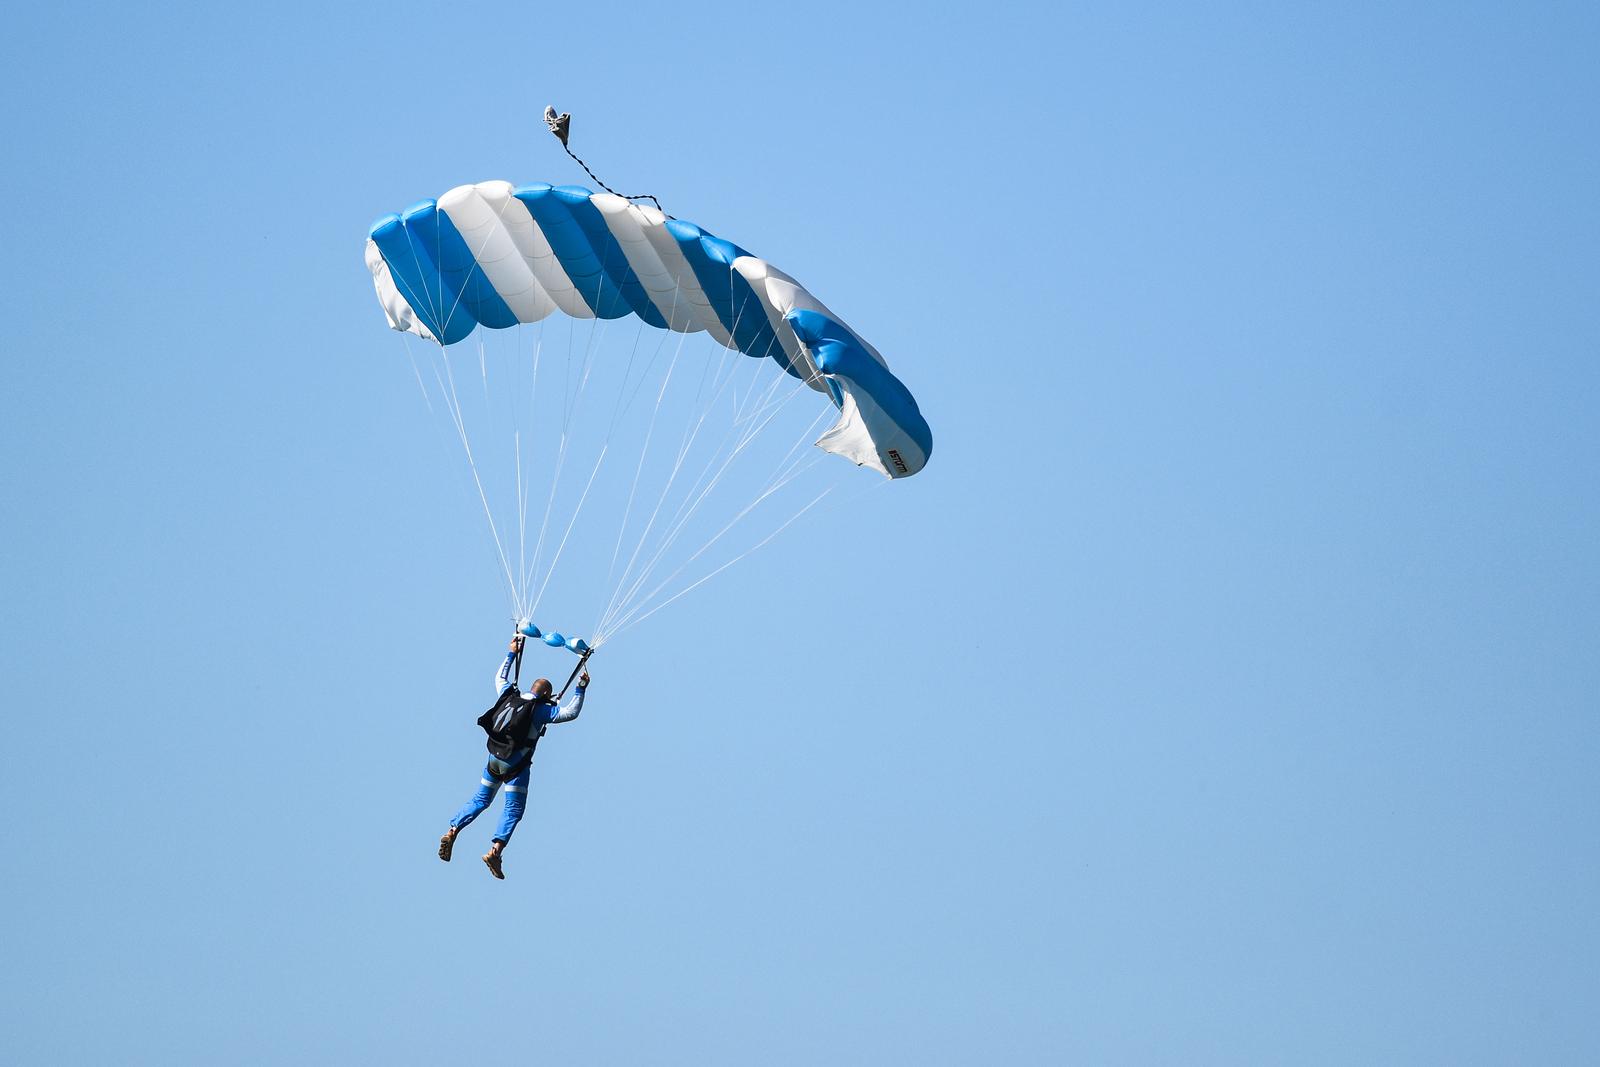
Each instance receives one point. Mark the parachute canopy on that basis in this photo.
(493, 255)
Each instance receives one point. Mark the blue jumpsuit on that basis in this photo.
(517, 788)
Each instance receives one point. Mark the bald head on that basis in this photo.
(542, 688)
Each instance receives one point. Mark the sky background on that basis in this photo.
(1223, 692)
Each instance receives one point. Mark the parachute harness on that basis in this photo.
(559, 125)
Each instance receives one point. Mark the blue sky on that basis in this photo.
(1223, 692)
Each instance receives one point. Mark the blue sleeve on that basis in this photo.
(502, 680)
(570, 712)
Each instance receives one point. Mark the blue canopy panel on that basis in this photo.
(466, 291)
(436, 273)
(552, 210)
(736, 304)
(411, 267)
(604, 247)
(897, 432)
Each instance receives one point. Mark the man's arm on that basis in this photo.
(502, 680)
(575, 705)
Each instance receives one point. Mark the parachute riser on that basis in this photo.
(526, 629)
(582, 659)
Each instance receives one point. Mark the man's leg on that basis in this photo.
(487, 787)
(516, 802)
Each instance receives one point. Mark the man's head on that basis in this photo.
(542, 688)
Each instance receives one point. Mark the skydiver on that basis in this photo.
(514, 725)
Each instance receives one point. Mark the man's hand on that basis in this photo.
(516, 643)
(583, 680)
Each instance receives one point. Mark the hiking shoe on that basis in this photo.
(448, 843)
(491, 860)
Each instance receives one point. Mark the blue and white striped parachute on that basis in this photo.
(493, 255)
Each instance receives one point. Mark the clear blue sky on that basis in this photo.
(1225, 691)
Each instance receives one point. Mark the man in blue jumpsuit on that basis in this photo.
(514, 725)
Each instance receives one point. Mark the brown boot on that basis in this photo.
(491, 860)
(448, 842)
